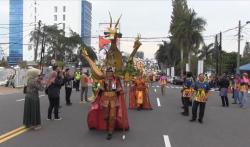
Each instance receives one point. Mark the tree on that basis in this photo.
(4, 63)
(246, 51)
(167, 54)
(205, 53)
(229, 63)
(186, 29)
(179, 9)
(60, 47)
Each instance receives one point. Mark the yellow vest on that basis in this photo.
(78, 76)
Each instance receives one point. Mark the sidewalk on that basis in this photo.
(8, 90)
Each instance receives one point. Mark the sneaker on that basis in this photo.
(184, 114)
(58, 118)
(200, 121)
(37, 127)
(82, 102)
(49, 119)
(192, 120)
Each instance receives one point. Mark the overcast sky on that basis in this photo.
(151, 18)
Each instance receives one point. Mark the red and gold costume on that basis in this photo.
(108, 111)
(138, 95)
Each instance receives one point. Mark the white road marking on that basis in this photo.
(157, 86)
(24, 99)
(166, 140)
(158, 102)
(155, 89)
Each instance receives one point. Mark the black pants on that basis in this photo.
(182, 101)
(201, 106)
(53, 104)
(186, 103)
(77, 85)
(68, 94)
(224, 100)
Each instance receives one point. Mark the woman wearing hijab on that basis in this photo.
(32, 117)
(54, 85)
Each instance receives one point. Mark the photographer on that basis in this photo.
(54, 85)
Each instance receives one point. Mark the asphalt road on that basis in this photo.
(222, 127)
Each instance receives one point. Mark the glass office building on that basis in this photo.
(86, 18)
(15, 31)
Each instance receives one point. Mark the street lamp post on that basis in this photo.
(239, 38)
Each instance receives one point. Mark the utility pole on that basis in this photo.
(238, 55)
(217, 54)
(42, 52)
(220, 54)
(37, 43)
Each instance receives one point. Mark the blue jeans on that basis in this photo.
(243, 99)
(236, 96)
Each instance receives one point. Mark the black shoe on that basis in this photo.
(184, 114)
(223, 105)
(192, 120)
(200, 121)
(109, 136)
(69, 104)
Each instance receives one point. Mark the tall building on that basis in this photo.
(15, 31)
(24, 15)
(86, 22)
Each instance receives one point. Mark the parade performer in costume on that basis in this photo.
(201, 96)
(187, 93)
(138, 95)
(163, 83)
(108, 111)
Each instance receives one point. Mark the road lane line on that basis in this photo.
(155, 89)
(158, 102)
(11, 132)
(13, 135)
(166, 140)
